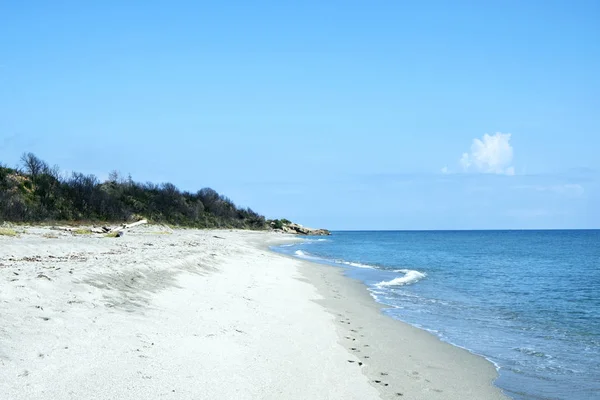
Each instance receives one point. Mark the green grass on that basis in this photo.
(8, 232)
(112, 235)
(82, 232)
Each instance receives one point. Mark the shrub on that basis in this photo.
(40, 193)
(7, 232)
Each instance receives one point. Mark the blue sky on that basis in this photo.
(340, 114)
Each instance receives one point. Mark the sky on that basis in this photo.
(334, 114)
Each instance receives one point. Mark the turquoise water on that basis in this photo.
(529, 301)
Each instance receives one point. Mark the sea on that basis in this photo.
(528, 301)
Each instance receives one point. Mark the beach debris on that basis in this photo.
(105, 230)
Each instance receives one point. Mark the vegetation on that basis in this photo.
(278, 223)
(36, 192)
(7, 232)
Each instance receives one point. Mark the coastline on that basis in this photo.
(412, 361)
(206, 314)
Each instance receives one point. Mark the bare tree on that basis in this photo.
(33, 165)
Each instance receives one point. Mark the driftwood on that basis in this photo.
(128, 226)
(104, 229)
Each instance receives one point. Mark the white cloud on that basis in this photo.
(492, 154)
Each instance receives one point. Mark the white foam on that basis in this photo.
(410, 276)
(354, 264)
(302, 254)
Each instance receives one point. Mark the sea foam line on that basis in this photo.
(410, 276)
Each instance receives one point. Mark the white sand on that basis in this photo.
(191, 316)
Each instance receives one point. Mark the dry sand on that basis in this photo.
(189, 314)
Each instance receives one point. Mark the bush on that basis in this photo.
(40, 193)
(7, 232)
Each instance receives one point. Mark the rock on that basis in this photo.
(321, 232)
(297, 229)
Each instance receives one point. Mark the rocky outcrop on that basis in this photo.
(297, 229)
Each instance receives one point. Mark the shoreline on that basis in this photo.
(206, 314)
(383, 306)
(367, 314)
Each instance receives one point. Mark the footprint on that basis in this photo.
(384, 374)
(351, 361)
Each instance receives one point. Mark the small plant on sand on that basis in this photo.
(50, 236)
(112, 235)
(82, 232)
(7, 232)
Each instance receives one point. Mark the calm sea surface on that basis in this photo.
(529, 301)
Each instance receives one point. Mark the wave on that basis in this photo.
(305, 255)
(355, 264)
(532, 352)
(410, 276)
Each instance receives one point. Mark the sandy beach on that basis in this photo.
(191, 314)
